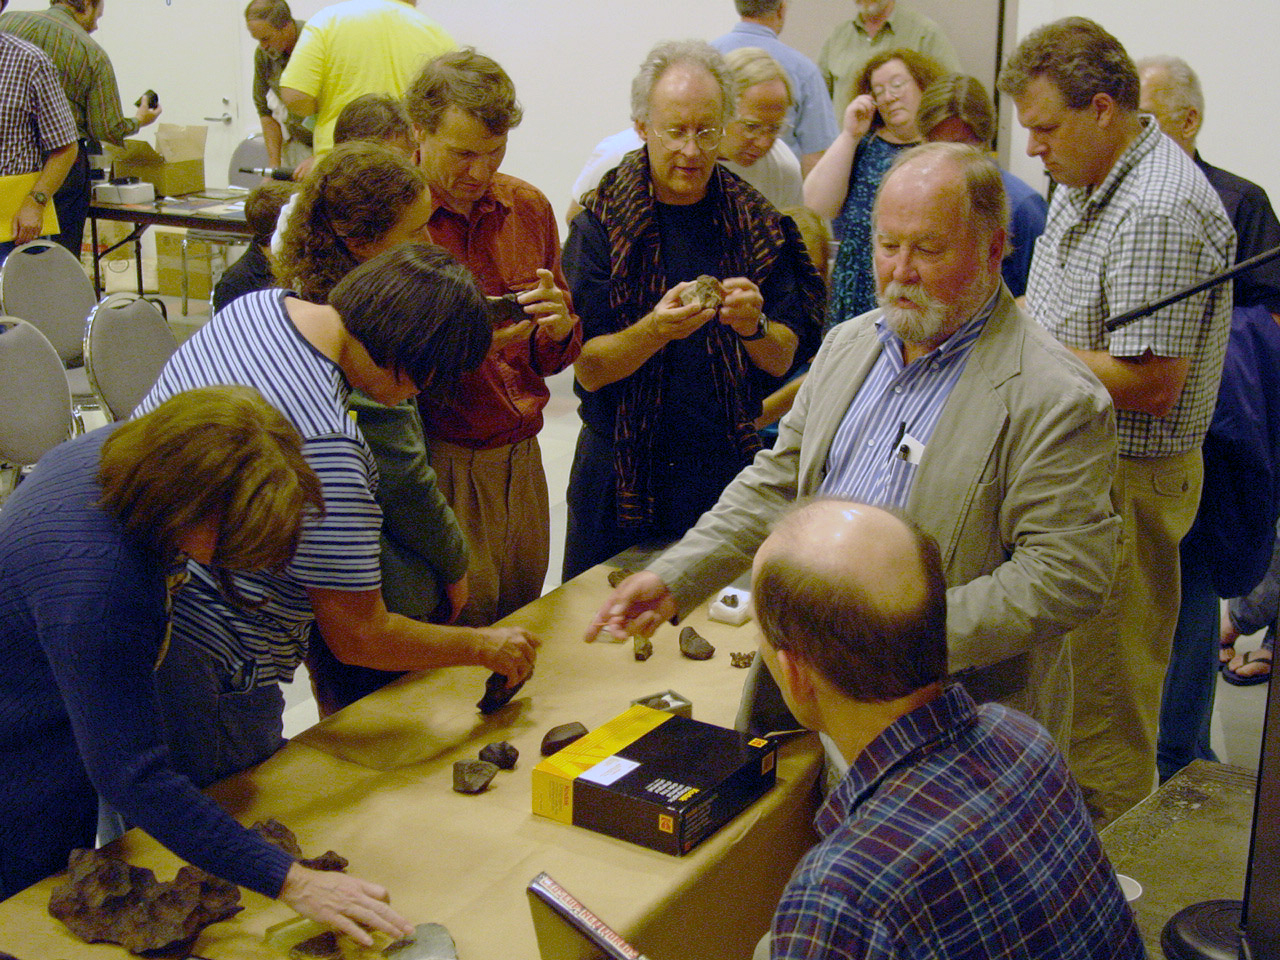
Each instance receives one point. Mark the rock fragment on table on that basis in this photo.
(108, 900)
(497, 694)
(473, 776)
(643, 647)
(705, 290)
(502, 755)
(276, 833)
(557, 738)
(743, 659)
(618, 574)
(429, 941)
(695, 646)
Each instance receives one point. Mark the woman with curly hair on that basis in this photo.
(879, 123)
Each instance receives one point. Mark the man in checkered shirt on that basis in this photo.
(958, 833)
(1132, 220)
(37, 132)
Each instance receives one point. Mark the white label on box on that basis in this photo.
(607, 771)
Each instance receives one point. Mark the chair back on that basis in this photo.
(127, 342)
(44, 284)
(251, 152)
(35, 401)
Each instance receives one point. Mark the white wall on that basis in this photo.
(572, 61)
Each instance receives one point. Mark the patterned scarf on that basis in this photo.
(624, 203)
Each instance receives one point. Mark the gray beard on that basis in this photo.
(912, 326)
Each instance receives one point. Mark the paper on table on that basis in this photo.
(13, 190)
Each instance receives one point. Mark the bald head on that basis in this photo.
(859, 594)
(1170, 91)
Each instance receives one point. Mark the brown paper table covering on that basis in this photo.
(374, 782)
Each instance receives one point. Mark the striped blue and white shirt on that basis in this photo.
(876, 451)
(253, 342)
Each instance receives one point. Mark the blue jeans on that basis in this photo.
(1189, 684)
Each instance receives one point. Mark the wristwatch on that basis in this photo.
(39, 197)
(761, 331)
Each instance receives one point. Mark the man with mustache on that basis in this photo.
(949, 404)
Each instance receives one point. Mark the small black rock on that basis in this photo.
(617, 575)
(558, 738)
(497, 694)
(643, 647)
(472, 776)
(694, 646)
(502, 755)
(730, 600)
(742, 660)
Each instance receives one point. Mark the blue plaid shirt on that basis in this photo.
(956, 834)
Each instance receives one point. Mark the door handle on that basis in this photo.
(225, 118)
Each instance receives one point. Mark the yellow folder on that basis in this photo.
(13, 190)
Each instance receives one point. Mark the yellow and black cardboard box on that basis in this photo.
(658, 779)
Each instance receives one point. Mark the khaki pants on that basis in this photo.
(1119, 658)
(500, 499)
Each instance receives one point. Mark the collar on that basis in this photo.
(501, 195)
(951, 347)
(755, 29)
(64, 14)
(1144, 143)
(888, 22)
(926, 730)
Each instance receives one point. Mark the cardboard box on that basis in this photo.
(657, 779)
(169, 265)
(175, 165)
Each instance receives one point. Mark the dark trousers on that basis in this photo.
(72, 203)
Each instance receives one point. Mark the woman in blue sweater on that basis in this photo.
(91, 546)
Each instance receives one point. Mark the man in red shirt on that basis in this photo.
(483, 443)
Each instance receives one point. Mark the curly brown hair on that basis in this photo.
(922, 67)
(358, 191)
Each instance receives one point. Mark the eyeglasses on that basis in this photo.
(758, 128)
(675, 138)
(894, 87)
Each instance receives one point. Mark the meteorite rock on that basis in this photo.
(323, 946)
(705, 290)
(502, 755)
(694, 646)
(276, 833)
(497, 694)
(108, 900)
(504, 310)
(743, 659)
(472, 776)
(617, 575)
(729, 600)
(558, 738)
(643, 647)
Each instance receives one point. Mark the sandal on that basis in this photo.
(1261, 655)
(1226, 652)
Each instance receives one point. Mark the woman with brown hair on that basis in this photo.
(92, 546)
(879, 123)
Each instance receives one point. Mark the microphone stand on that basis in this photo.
(1124, 319)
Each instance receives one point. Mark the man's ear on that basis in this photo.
(1191, 121)
(1104, 109)
(796, 678)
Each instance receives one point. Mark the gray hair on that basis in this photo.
(752, 66)
(274, 13)
(984, 185)
(1184, 86)
(756, 8)
(671, 53)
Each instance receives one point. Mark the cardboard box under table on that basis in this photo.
(374, 782)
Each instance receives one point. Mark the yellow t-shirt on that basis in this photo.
(358, 47)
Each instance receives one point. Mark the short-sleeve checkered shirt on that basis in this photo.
(34, 116)
(1152, 227)
(956, 833)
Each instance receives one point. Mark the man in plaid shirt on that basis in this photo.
(1132, 220)
(958, 833)
(37, 132)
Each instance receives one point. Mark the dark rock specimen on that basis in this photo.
(558, 738)
(275, 832)
(617, 575)
(472, 776)
(106, 899)
(643, 647)
(501, 754)
(504, 310)
(497, 694)
(323, 946)
(730, 600)
(694, 646)
(743, 660)
(705, 290)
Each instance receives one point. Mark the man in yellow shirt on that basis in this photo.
(353, 48)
